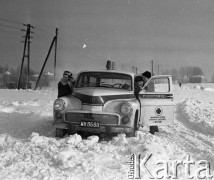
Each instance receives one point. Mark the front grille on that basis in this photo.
(104, 119)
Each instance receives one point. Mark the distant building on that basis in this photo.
(48, 74)
(7, 73)
(197, 79)
(45, 80)
(7, 80)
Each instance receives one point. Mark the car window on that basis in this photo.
(160, 85)
(104, 79)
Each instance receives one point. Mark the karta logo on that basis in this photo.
(168, 169)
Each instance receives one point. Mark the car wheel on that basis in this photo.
(60, 132)
(136, 126)
(153, 129)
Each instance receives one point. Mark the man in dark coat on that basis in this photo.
(146, 75)
(65, 85)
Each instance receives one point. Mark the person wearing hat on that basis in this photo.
(65, 85)
(146, 75)
(140, 81)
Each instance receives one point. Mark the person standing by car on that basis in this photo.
(65, 85)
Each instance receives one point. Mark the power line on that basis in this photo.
(89, 51)
(78, 42)
(44, 31)
(9, 20)
(8, 32)
(44, 27)
(10, 27)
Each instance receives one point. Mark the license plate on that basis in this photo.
(90, 124)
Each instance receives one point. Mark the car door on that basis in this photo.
(156, 98)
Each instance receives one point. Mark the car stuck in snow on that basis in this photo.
(104, 101)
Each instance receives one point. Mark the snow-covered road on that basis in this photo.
(29, 150)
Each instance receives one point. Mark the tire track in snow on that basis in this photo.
(190, 135)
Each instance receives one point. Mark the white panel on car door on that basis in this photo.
(156, 98)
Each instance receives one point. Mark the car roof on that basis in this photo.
(109, 71)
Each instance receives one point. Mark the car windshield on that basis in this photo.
(104, 79)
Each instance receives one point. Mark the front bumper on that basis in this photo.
(102, 129)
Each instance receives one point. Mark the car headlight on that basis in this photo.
(126, 109)
(59, 104)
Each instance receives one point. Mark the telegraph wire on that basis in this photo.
(10, 33)
(10, 27)
(43, 30)
(11, 21)
(46, 31)
(76, 41)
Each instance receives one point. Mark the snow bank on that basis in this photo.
(27, 101)
(25, 111)
(197, 115)
(209, 89)
(42, 157)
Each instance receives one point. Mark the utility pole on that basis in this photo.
(158, 69)
(26, 43)
(123, 67)
(152, 69)
(55, 55)
(54, 41)
(133, 69)
(28, 59)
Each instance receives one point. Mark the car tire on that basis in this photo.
(136, 126)
(153, 129)
(60, 132)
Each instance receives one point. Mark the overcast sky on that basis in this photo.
(173, 33)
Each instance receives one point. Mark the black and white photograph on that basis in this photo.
(106, 89)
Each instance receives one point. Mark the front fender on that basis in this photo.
(71, 103)
(114, 106)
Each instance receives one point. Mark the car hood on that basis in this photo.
(100, 96)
